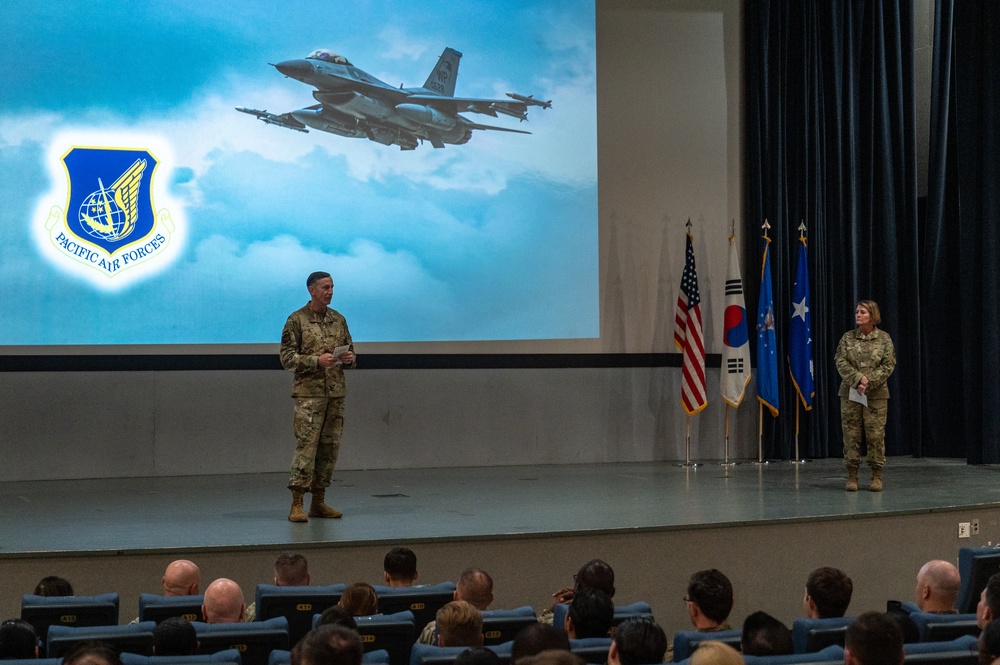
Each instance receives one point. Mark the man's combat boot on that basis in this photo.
(876, 485)
(852, 478)
(319, 509)
(297, 513)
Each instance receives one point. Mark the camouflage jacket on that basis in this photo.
(871, 355)
(306, 336)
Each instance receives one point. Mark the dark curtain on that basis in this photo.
(961, 252)
(830, 142)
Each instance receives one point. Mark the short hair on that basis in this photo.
(713, 652)
(831, 589)
(875, 639)
(536, 638)
(639, 640)
(763, 635)
(315, 277)
(989, 641)
(92, 653)
(592, 613)
(596, 574)
(18, 640)
(53, 585)
(175, 636)
(993, 595)
(400, 563)
(712, 592)
(291, 569)
(872, 308)
(335, 614)
(459, 624)
(328, 645)
(552, 657)
(476, 587)
(360, 599)
(478, 656)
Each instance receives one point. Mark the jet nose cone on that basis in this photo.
(296, 69)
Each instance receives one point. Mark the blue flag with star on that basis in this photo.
(800, 353)
(767, 339)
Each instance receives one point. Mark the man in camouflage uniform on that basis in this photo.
(308, 341)
(865, 359)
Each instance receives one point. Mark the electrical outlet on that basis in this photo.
(963, 529)
(975, 527)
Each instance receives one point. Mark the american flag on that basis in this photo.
(689, 338)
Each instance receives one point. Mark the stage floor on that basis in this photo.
(248, 511)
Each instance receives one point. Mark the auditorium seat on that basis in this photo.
(33, 661)
(254, 640)
(298, 604)
(425, 654)
(282, 657)
(501, 626)
(133, 637)
(227, 657)
(622, 612)
(153, 607)
(44, 611)
(591, 649)
(810, 635)
(944, 627)
(957, 644)
(831, 655)
(975, 566)
(686, 641)
(394, 633)
(423, 601)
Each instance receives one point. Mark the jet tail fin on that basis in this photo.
(442, 78)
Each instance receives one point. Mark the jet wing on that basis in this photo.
(281, 120)
(490, 107)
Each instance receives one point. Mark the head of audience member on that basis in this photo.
(828, 593)
(873, 639)
(475, 586)
(359, 599)
(552, 657)
(400, 567)
(709, 599)
(595, 574)
(53, 586)
(478, 656)
(938, 583)
(763, 635)
(291, 570)
(590, 614)
(459, 624)
(92, 653)
(174, 637)
(536, 638)
(335, 614)
(989, 643)
(223, 602)
(713, 652)
(18, 640)
(182, 578)
(988, 608)
(328, 645)
(637, 641)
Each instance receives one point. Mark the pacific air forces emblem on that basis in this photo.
(110, 222)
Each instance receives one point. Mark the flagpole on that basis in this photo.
(760, 434)
(726, 461)
(687, 445)
(798, 458)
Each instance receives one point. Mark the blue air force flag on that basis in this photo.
(767, 340)
(736, 335)
(800, 355)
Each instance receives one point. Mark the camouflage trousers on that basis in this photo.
(871, 418)
(319, 422)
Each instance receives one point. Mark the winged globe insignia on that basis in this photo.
(118, 221)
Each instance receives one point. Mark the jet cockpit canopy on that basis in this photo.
(327, 55)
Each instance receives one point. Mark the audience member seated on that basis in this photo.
(988, 608)
(989, 643)
(828, 593)
(638, 641)
(359, 600)
(873, 639)
(938, 583)
(92, 653)
(590, 614)
(336, 615)
(53, 586)
(763, 635)
(475, 587)
(478, 656)
(223, 602)
(459, 624)
(551, 657)
(595, 574)
(715, 653)
(18, 640)
(400, 567)
(290, 569)
(709, 601)
(534, 639)
(182, 578)
(174, 637)
(328, 645)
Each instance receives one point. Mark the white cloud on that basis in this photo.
(401, 46)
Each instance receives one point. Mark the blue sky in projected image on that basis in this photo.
(492, 240)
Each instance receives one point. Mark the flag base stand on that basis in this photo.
(688, 464)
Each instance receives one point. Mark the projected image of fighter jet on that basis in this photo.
(355, 104)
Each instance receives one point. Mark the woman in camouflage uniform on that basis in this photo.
(865, 359)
